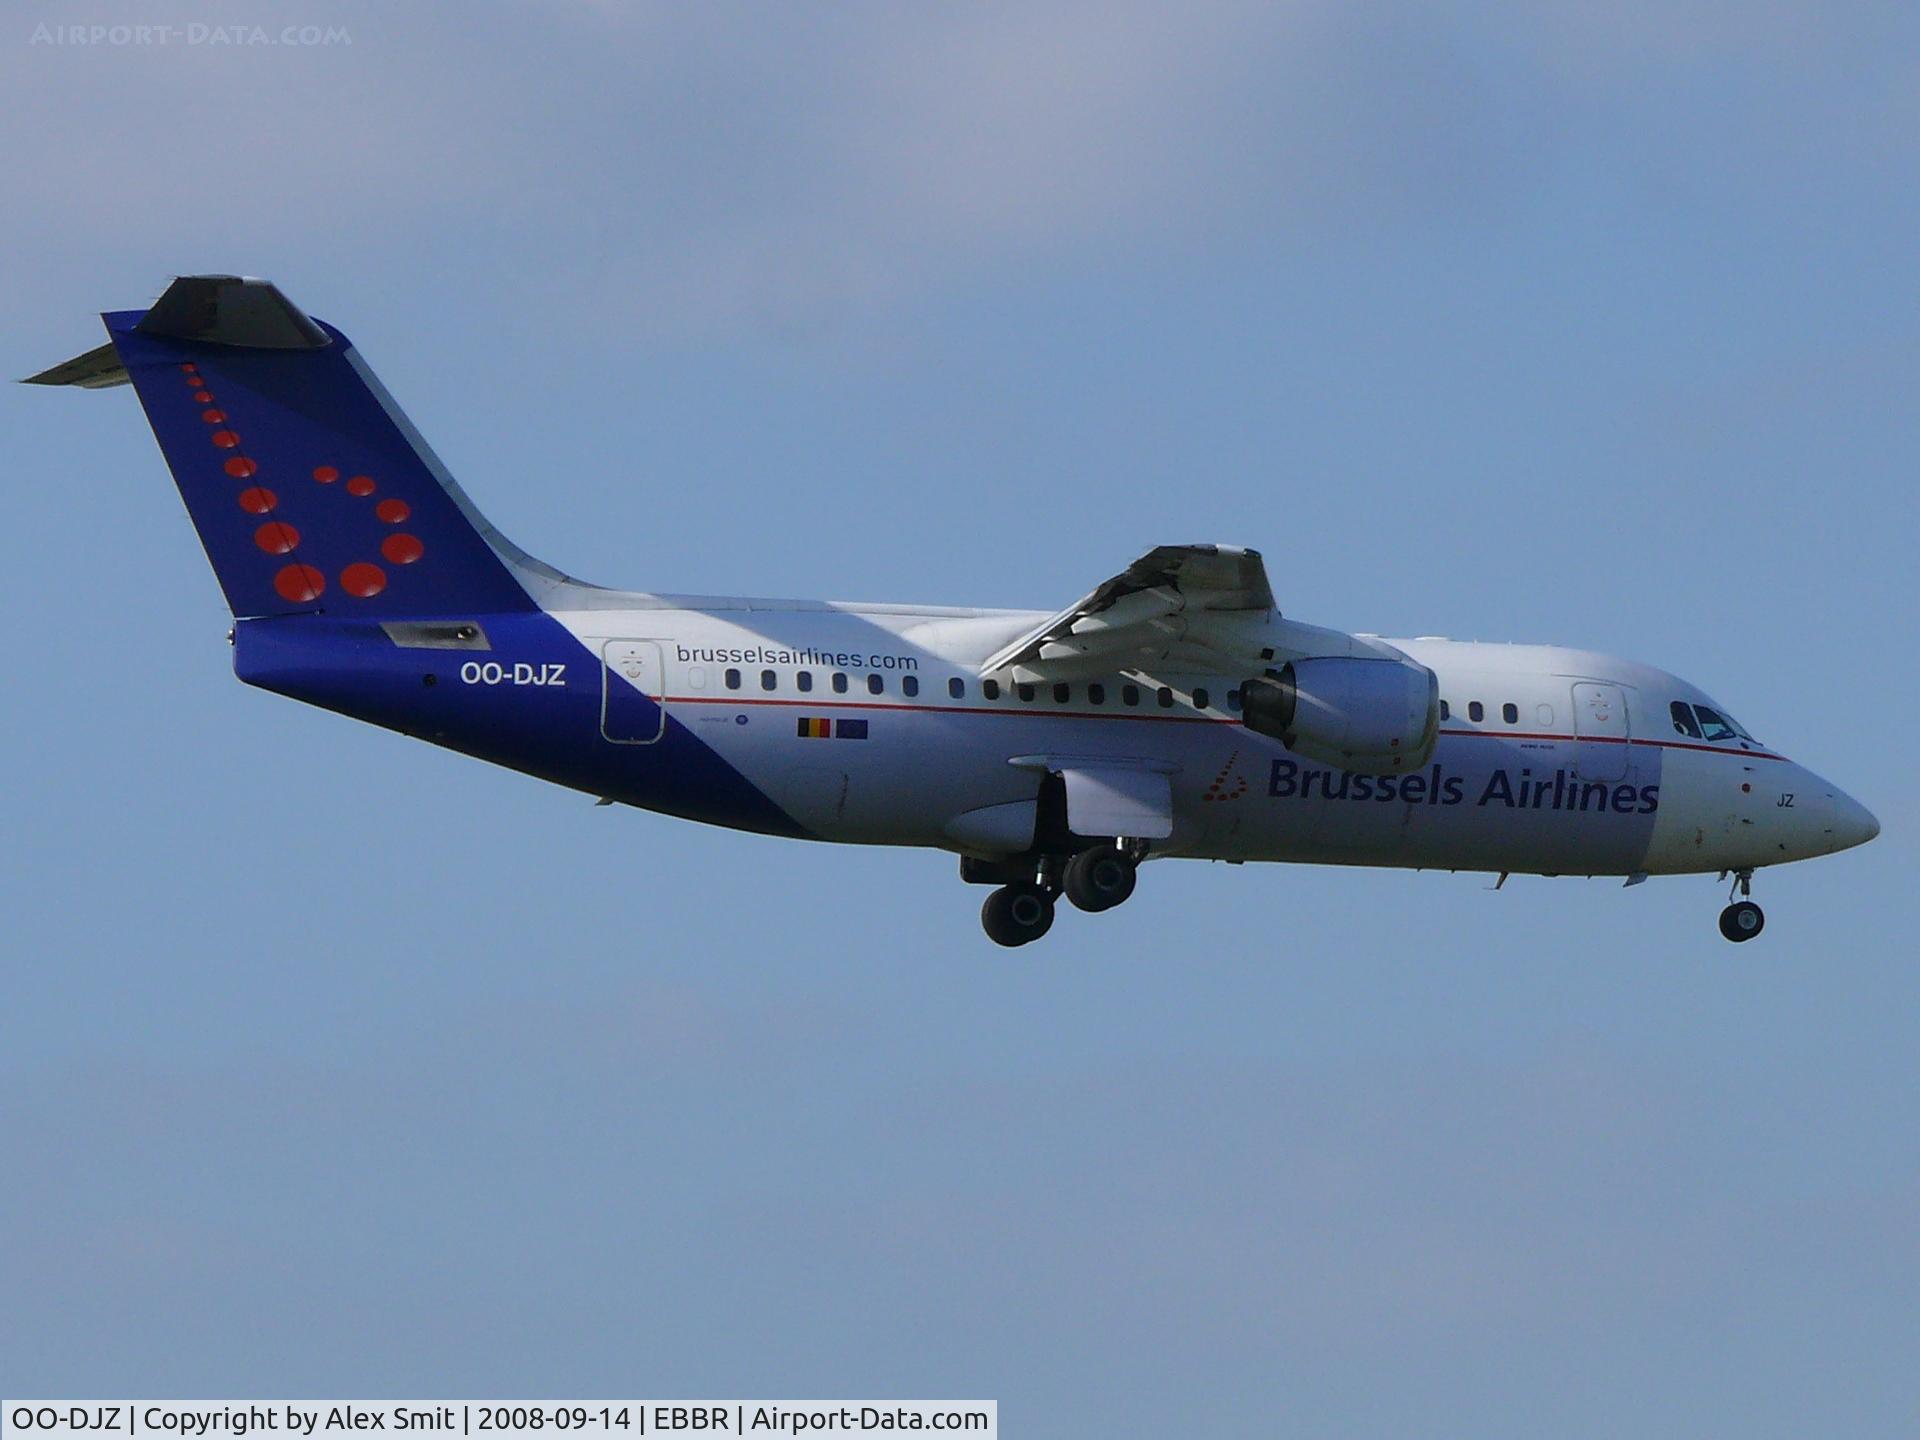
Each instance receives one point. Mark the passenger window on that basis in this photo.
(990, 689)
(957, 688)
(1476, 712)
(1061, 694)
(1510, 713)
(875, 685)
(1200, 698)
(1683, 721)
(733, 679)
(839, 682)
(1096, 694)
(1544, 714)
(697, 678)
(804, 680)
(1446, 712)
(1233, 698)
(1130, 694)
(1165, 696)
(909, 685)
(768, 680)
(1025, 692)
(1715, 727)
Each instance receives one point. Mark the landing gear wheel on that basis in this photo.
(1017, 914)
(1100, 878)
(1742, 921)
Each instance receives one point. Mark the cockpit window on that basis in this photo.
(1715, 726)
(1683, 721)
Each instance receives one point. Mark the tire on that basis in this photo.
(1100, 878)
(1742, 921)
(1017, 914)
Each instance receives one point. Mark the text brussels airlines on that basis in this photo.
(1291, 780)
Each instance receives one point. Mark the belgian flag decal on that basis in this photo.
(815, 728)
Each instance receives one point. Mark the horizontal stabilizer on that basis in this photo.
(231, 310)
(95, 370)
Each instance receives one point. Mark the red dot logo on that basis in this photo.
(189, 368)
(225, 439)
(258, 500)
(214, 417)
(360, 485)
(204, 397)
(240, 467)
(325, 474)
(276, 537)
(392, 511)
(402, 549)
(363, 581)
(299, 583)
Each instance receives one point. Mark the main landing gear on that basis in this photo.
(1100, 878)
(1021, 910)
(1017, 914)
(1742, 920)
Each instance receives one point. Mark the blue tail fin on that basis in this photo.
(310, 489)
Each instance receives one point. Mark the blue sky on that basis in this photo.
(331, 1064)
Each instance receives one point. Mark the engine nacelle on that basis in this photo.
(1374, 717)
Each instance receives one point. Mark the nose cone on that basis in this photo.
(1853, 823)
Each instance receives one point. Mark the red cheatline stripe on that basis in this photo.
(1612, 740)
(815, 704)
(1031, 709)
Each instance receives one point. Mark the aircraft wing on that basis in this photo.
(1181, 606)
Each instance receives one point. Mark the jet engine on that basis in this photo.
(1374, 717)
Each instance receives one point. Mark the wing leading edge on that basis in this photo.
(1188, 605)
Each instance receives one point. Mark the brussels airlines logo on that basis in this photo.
(297, 582)
(1290, 780)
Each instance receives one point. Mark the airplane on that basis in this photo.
(1172, 712)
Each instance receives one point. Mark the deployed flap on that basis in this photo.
(1119, 800)
(1202, 598)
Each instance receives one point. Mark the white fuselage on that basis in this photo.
(1174, 710)
(1548, 760)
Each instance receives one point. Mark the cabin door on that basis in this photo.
(1600, 731)
(633, 690)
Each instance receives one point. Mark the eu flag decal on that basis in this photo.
(851, 729)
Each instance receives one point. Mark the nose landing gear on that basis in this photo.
(1742, 919)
